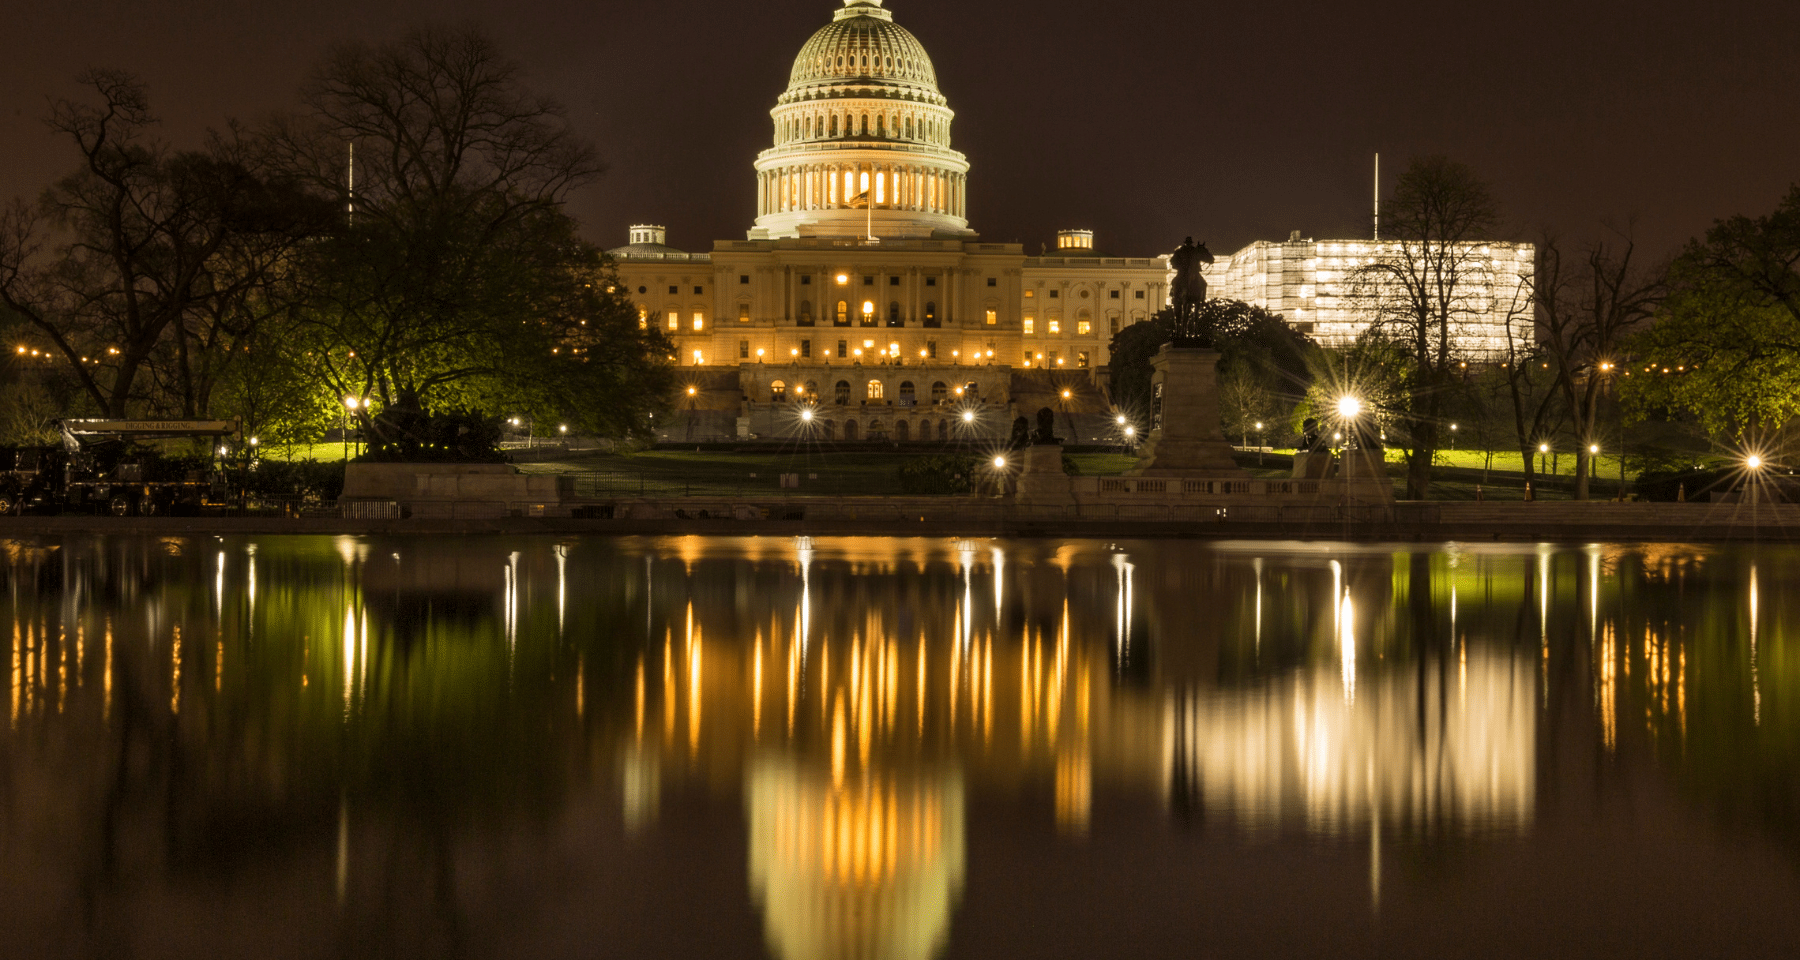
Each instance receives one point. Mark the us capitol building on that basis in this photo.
(863, 301)
(862, 289)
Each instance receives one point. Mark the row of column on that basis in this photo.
(916, 296)
(833, 186)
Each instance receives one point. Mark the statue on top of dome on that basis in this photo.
(1188, 293)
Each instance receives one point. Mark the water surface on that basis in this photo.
(890, 748)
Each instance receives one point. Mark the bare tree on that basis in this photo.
(1585, 310)
(116, 260)
(1528, 381)
(1427, 286)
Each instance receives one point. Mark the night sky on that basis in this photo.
(1143, 121)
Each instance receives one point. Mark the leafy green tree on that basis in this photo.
(1249, 339)
(1726, 343)
(455, 275)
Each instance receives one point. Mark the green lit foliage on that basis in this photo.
(1729, 332)
(950, 474)
(455, 275)
(1273, 358)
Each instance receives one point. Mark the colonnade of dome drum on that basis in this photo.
(850, 184)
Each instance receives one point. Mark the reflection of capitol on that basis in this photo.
(858, 696)
(1412, 751)
(870, 867)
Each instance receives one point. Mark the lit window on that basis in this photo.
(1030, 293)
(743, 313)
(1081, 358)
(1055, 326)
(1083, 328)
(674, 320)
(699, 358)
(1030, 325)
(993, 317)
(699, 321)
(874, 389)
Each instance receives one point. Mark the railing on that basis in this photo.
(1109, 487)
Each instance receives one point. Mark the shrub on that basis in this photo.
(942, 475)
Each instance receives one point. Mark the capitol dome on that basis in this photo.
(863, 43)
(862, 139)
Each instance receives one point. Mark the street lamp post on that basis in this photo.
(350, 405)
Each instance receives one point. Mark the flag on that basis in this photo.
(860, 201)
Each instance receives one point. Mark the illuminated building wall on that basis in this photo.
(1313, 284)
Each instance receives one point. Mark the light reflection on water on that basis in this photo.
(410, 746)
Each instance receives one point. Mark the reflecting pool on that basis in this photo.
(891, 748)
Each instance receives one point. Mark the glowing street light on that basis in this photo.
(968, 416)
(1349, 407)
(1754, 462)
(1066, 394)
(1121, 419)
(1131, 431)
(999, 463)
(806, 415)
(691, 392)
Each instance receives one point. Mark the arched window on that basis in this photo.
(863, 128)
(939, 392)
(894, 314)
(943, 429)
(909, 128)
(881, 126)
(812, 389)
(931, 317)
(806, 317)
(972, 390)
(843, 313)
(834, 126)
(778, 392)
(868, 313)
(874, 391)
(849, 429)
(877, 431)
(901, 431)
(907, 393)
(843, 392)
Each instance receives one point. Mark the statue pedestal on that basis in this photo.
(1365, 477)
(1041, 477)
(1185, 437)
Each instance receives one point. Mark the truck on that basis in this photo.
(96, 469)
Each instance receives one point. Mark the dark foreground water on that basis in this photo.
(873, 748)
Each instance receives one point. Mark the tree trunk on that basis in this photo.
(1418, 464)
(1583, 461)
